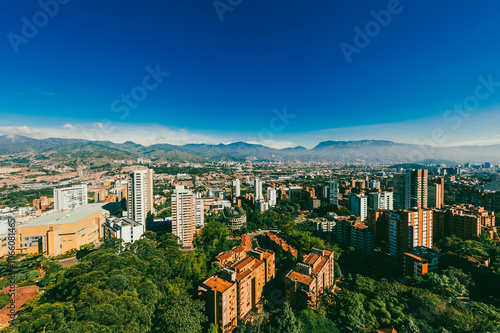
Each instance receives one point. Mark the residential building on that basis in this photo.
(410, 189)
(271, 196)
(358, 204)
(124, 228)
(236, 188)
(378, 219)
(277, 243)
(185, 210)
(199, 211)
(374, 184)
(435, 193)
(140, 196)
(408, 229)
(308, 280)
(421, 260)
(350, 232)
(314, 203)
(257, 183)
(462, 221)
(69, 198)
(381, 200)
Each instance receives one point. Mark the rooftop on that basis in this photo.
(299, 277)
(218, 284)
(65, 217)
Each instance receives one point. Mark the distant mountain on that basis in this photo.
(371, 151)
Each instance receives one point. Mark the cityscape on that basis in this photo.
(231, 166)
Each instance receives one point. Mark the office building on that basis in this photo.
(435, 193)
(123, 228)
(408, 229)
(333, 192)
(410, 190)
(70, 197)
(140, 196)
(462, 221)
(358, 205)
(295, 193)
(381, 200)
(185, 210)
(306, 283)
(420, 261)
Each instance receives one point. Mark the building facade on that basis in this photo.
(410, 189)
(408, 229)
(140, 196)
(69, 198)
(123, 228)
(185, 210)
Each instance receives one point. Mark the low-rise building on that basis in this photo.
(420, 261)
(123, 228)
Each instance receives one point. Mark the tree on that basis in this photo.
(283, 320)
(177, 312)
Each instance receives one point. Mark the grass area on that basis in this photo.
(4, 300)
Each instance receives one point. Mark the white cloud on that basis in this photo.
(11, 131)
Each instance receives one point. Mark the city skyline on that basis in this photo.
(300, 74)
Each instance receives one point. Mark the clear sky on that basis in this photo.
(280, 73)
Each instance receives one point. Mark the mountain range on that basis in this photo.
(369, 151)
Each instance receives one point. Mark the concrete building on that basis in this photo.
(463, 221)
(271, 197)
(69, 198)
(350, 232)
(59, 232)
(410, 190)
(140, 196)
(123, 228)
(333, 192)
(257, 183)
(408, 229)
(234, 217)
(381, 200)
(308, 280)
(421, 260)
(435, 193)
(374, 184)
(236, 188)
(185, 210)
(199, 211)
(358, 204)
(295, 193)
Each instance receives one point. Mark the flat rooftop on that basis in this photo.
(65, 217)
(218, 284)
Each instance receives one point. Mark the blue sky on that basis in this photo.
(225, 77)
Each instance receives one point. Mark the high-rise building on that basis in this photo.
(69, 198)
(410, 189)
(381, 200)
(349, 232)
(140, 195)
(271, 196)
(184, 215)
(408, 229)
(462, 221)
(333, 192)
(374, 184)
(236, 188)
(358, 205)
(321, 192)
(199, 211)
(435, 193)
(257, 183)
(295, 193)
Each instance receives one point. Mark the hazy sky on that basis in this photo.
(279, 73)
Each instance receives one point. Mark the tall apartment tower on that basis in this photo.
(257, 183)
(408, 229)
(333, 192)
(140, 195)
(435, 193)
(236, 188)
(199, 211)
(271, 196)
(358, 204)
(381, 200)
(70, 197)
(187, 214)
(410, 189)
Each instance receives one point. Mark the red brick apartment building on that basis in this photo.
(308, 280)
